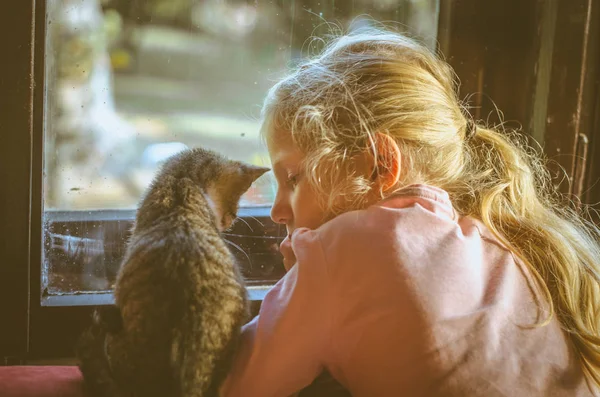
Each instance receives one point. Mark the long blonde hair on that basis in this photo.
(374, 81)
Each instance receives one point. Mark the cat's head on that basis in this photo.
(223, 181)
(225, 191)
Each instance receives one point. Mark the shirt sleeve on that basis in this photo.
(285, 347)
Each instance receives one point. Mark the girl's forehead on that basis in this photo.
(282, 148)
(278, 136)
(279, 140)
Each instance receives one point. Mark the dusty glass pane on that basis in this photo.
(128, 83)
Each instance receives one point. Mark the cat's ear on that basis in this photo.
(253, 172)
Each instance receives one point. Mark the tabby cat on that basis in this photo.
(179, 297)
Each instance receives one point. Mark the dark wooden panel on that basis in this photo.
(571, 95)
(591, 123)
(537, 61)
(15, 160)
(492, 46)
(592, 191)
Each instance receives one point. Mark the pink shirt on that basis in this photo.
(404, 298)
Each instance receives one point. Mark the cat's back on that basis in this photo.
(179, 253)
(175, 269)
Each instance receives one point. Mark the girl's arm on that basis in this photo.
(285, 347)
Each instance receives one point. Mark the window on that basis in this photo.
(129, 83)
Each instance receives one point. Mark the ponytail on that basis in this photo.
(516, 200)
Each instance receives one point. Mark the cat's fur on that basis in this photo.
(179, 297)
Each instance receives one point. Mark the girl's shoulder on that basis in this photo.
(416, 223)
(414, 210)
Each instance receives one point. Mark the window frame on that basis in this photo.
(16, 118)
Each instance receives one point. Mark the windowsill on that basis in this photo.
(255, 294)
(84, 250)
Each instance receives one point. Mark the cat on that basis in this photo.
(180, 300)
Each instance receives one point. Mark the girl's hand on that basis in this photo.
(289, 259)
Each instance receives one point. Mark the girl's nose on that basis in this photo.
(281, 212)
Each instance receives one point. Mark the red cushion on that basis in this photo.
(40, 381)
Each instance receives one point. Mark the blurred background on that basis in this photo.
(130, 82)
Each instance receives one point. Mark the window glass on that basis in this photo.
(131, 82)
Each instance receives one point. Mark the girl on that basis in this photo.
(427, 255)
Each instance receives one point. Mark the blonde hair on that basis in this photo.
(374, 81)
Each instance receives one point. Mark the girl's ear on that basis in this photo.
(388, 161)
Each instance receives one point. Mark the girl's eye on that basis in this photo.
(292, 180)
